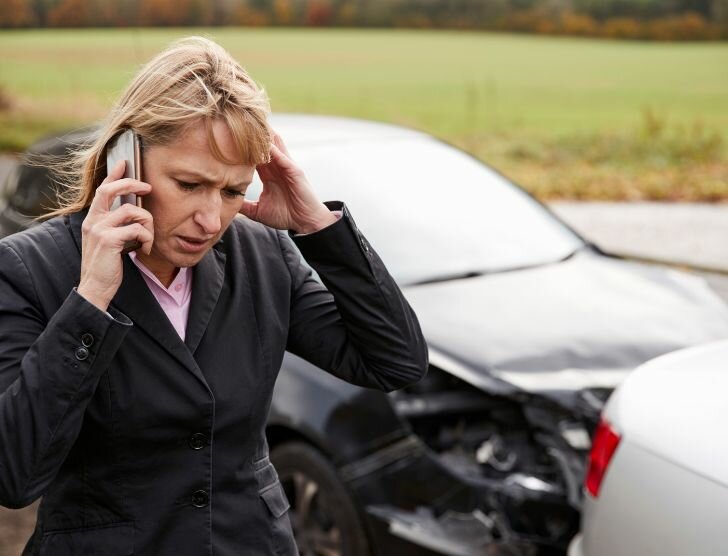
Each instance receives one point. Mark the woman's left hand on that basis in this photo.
(287, 201)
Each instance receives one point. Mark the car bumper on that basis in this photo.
(489, 517)
(576, 548)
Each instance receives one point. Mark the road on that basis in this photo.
(693, 234)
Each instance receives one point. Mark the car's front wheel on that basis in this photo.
(324, 519)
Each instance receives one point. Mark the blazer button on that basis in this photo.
(364, 243)
(200, 498)
(81, 354)
(198, 441)
(87, 340)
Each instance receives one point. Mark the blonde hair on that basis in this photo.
(193, 79)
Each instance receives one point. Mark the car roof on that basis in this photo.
(297, 130)
(309, 129)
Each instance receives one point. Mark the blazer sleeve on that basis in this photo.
(49, 370)
(359, 327)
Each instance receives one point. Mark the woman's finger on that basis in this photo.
(249, 209)
(115, 172)
(127, 213)
(279, 158)
(263, 172)
(278, 141)
(122, 235)
(107, 192)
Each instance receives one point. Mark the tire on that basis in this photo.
(323, 516)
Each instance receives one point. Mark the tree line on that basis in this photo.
(632, 19)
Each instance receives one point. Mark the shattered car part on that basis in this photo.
(451, 533)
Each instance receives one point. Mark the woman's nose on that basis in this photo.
(207, 216)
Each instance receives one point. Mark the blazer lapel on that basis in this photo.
(208, 277)
(134, 299)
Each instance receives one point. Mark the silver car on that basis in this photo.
(657, 483)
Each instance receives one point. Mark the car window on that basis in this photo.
(431, 210)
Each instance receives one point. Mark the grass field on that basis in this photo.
(566, 117)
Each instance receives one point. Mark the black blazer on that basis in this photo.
(140, 443)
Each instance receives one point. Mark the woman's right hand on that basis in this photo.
(105, 232)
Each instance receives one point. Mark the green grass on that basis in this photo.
(527, 104)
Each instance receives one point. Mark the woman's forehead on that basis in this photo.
(192, 154)
(197, 138)
(196, 143)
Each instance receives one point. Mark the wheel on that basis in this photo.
(324, 519)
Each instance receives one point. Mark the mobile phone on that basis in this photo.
(126, 146)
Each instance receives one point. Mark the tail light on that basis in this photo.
(605, 443)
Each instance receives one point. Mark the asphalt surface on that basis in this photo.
(690, 233)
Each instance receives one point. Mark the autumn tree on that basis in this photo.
(283, 12)
(71, 13)
(719, 13)
(16, 13)
(163, 12)
(318, 13)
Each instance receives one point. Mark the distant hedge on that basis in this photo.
(688, 26)
(670, 20)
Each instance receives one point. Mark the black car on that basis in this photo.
(529, 327)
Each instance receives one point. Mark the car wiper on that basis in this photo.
(448, 277)
(586, 246)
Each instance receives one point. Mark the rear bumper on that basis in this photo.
(576, 548)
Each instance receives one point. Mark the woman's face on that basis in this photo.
(194, 197)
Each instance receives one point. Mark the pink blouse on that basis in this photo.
(174, 300)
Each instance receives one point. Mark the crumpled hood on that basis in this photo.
(581, 323)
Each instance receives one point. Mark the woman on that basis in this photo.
(135, 388)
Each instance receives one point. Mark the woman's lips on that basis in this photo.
(192, 245)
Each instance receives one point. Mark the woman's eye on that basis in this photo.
(233, 194)
(187, 186)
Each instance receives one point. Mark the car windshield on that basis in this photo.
(432, 211)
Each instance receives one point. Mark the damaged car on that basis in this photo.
(529, 327)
